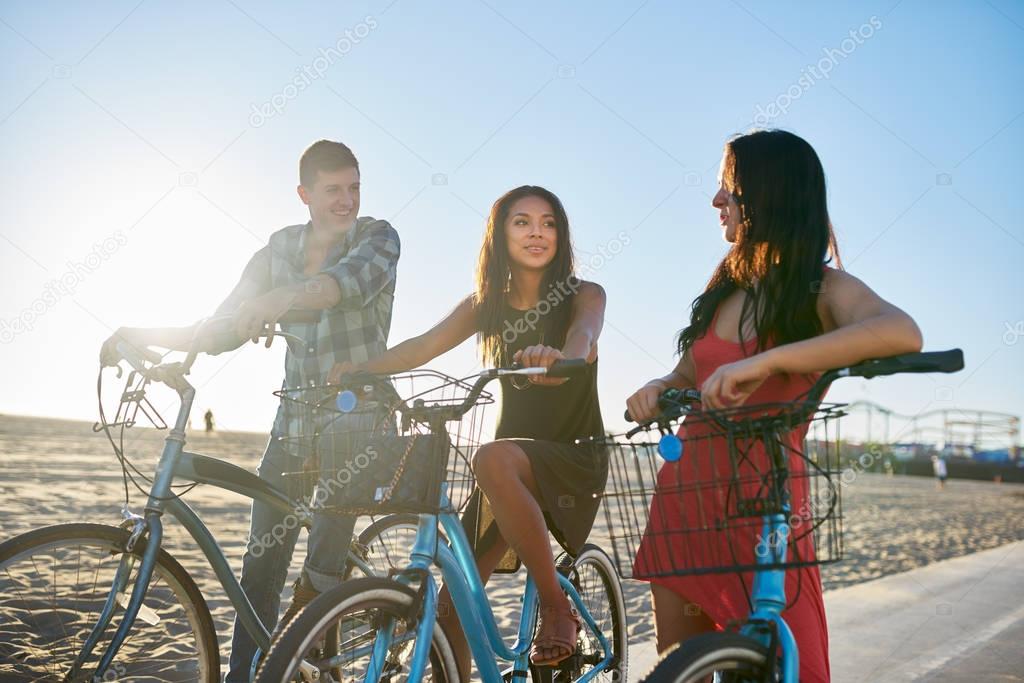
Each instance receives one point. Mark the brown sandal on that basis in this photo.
(553, 632)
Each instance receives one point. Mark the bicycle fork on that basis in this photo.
(769, 598)
(152, 527)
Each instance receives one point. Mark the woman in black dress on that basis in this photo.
(528, 307)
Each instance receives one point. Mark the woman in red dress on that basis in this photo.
(772, 316)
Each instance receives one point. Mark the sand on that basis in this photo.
(54, 471)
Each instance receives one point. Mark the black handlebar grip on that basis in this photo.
(930, 361)
(671, 396)
(681, 396)
(570, 367)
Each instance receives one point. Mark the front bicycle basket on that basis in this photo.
(704, 510)
(375, 457)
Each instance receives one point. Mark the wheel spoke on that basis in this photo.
(352, 615)
(53, 583)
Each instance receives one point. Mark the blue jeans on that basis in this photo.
(270, 547)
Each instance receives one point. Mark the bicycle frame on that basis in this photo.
(458, 568)
(768, 595)
(176, 463)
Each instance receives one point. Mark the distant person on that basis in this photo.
(939, 467)
(344, 266)
(208, 418)
(773, 315)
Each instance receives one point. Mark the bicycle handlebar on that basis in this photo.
(670, 399)
(928, 361)
(673, 402)
(566, 368)
(142, 358)
(137, 357)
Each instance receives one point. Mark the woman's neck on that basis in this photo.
(524, 288)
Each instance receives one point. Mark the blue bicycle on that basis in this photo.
(749, 490)
(376, 629)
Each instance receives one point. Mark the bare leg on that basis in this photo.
(675, 618)
(504, 474)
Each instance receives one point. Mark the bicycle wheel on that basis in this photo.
(727, 657)
(385, 545)
(594, 576)
(333, 637)
(55, 580)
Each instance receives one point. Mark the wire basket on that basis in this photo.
(704, 512)
(383, 446)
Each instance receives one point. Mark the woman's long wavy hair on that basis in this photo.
(783, 241)
(494, 272)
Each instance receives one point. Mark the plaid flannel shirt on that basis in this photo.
(356, 329)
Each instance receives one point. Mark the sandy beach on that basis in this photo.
(54, 471)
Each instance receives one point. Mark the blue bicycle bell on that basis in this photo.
(346, 401)
(670, 447)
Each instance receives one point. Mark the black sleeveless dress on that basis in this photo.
(545, 422)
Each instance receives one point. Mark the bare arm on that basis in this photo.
(452, 330)
(858, 323)
(587, 322)
(643, 404)
(580, 339)
(683, 375)
(254, 282)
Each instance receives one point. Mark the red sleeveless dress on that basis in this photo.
(680, 531)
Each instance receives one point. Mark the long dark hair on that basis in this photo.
(493, 272)
(783, 241)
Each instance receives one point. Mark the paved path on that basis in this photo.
(956, 620)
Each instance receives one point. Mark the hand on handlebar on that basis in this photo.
(108, 351)
(732, 384)
(642, 406)
(338, 369)
(134, 338)
(540, 356)
(259, 316)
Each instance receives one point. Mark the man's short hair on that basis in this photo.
(327, 156)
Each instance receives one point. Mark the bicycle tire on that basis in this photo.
(326, 612)
(108, 542)
(385, 544)
(607, 605)
(740, 659)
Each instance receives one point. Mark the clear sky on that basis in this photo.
(150, 147)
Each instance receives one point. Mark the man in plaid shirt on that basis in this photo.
(343, 267)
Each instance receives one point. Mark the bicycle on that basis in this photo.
(61, 585)
(740, 470)
(378, 629)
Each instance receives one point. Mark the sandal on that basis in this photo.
(559, 628)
